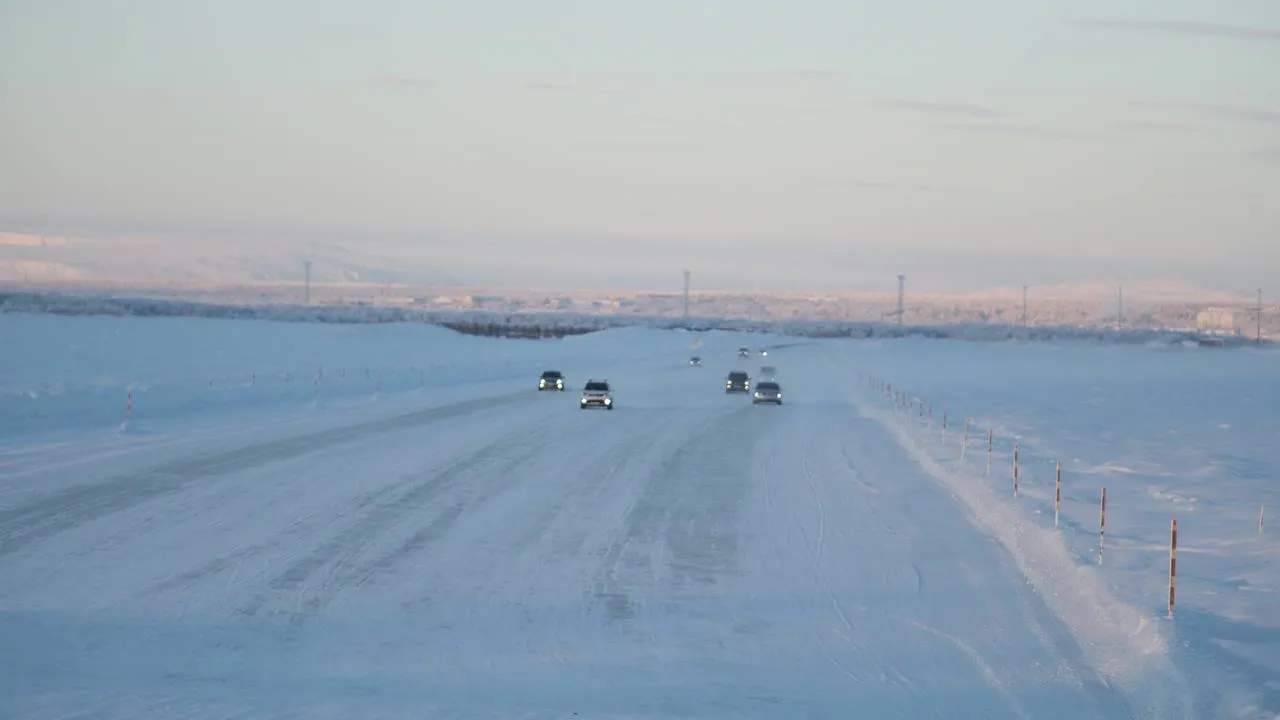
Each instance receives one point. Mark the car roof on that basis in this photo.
(551, 372)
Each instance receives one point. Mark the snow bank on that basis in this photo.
(1127, 646)
(1171, 435)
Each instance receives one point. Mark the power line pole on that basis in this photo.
(686, 299)
(306, 292)
(1259, 318)
(1120, 307)
(902, 289)
(1024, 305)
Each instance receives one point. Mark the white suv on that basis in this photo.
(596, 393)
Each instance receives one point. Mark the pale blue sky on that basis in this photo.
(782, 144)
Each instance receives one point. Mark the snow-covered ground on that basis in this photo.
(1186, 434)
(452, 543)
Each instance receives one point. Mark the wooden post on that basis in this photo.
(1102, 526)
(128, 405)
(1057, 493)
(964, 447)
(1015, 469)
(1262, 516)
(991, 441)
(1173, 561)
(944, 427)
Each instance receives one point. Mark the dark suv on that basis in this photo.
(738, 381)
(768, 392)
(551, 380)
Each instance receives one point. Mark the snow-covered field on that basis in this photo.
(1186, 434)
(390, 521)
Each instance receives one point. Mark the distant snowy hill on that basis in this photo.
(33, 258)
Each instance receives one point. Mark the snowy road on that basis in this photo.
(687, 555)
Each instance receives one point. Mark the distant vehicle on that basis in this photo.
(764, 353)
(768, 371)
(695, 361)
(737, 382)
(767, 391)
(596, 393)
(744, 352)
(551, 380)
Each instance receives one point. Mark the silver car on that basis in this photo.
(596, 393)
(767, 391)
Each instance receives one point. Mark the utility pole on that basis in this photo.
(1024, 305)
(306, 292)
(902, 289)
(1259, 318)
(686, 299)
(1120, 307)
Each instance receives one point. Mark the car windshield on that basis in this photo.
(598, 386)
(551, 374)
(767, 386)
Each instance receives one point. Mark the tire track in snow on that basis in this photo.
(989, 675)
(65, 510)
(244, 553)
(685, 517)
(819, 577)
(491, 465)
(556, 537)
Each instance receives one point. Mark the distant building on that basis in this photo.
(1218, 321)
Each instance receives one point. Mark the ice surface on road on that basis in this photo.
(497, 552)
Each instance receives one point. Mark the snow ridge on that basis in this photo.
(1130, 650)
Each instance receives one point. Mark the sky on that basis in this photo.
(800, 145)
